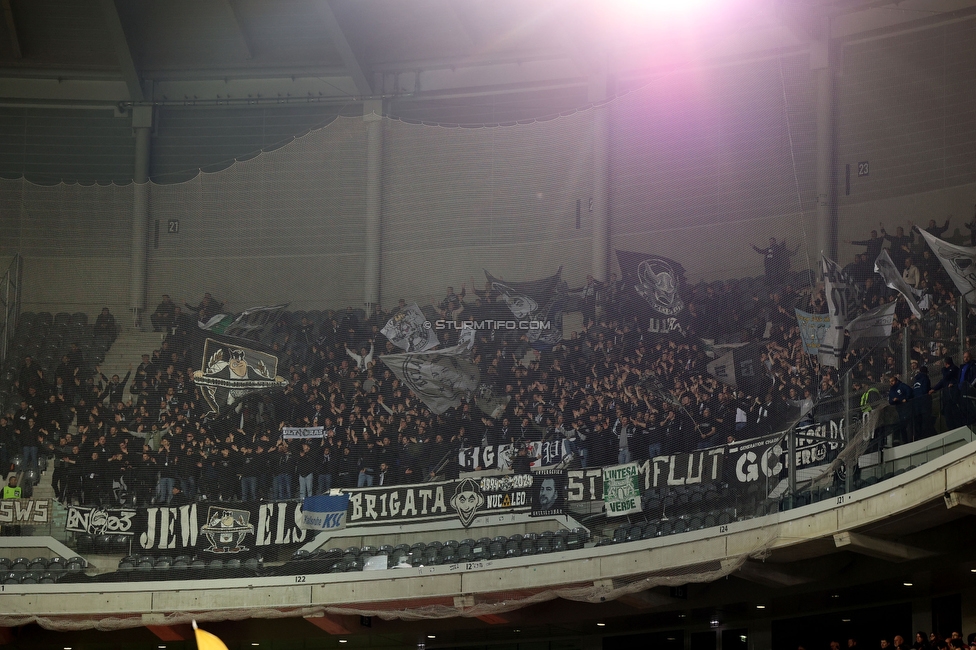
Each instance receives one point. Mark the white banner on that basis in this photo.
(291, 433)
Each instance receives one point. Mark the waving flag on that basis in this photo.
(884, 267)
(206, 640)
(959, 262)
(410, 330)
(534, 300)
(439, 378)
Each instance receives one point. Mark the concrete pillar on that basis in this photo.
(601, 176)
(373, 116)
(823, 74)
(142, 130)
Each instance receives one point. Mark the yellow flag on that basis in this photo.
(206, 640)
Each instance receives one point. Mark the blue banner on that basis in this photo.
(325, 512)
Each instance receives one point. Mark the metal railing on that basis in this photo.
(10, 297)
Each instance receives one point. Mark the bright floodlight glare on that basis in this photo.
(638, 9)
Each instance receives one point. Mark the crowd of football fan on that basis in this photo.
(613, 391)
(922, 641)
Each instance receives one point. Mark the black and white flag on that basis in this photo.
(742, 367)
(959, 262)
(872, 328)
(657, 279)
(884, 267)
(539, 303)
(841, 300)
(232, 372)
(439, 378)
(410, 330)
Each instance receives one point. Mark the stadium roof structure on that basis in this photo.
(429, 59)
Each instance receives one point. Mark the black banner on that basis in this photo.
(548, 493)
(101, 521)
(737, 464)
(219, 528)
(464, 499)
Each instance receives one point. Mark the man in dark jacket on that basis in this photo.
(900, 396)
(921, 404)
(951, 397)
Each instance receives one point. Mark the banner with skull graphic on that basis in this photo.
(656, 285)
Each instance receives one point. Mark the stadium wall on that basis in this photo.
(704, 163)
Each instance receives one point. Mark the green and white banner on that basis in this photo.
(621, 489)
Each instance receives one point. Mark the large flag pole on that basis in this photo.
(849, 473)
(963, 308)
(206, 640)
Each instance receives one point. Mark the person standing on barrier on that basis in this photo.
(900, 396)
(921, 404)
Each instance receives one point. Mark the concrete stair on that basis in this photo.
(127, 350)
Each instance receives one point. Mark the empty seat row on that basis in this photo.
(355, 558)
(144, 564)
(55, 564)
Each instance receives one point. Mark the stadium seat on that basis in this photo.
(620, 534)
(634, 533)
(496, 550)
(479, 551)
